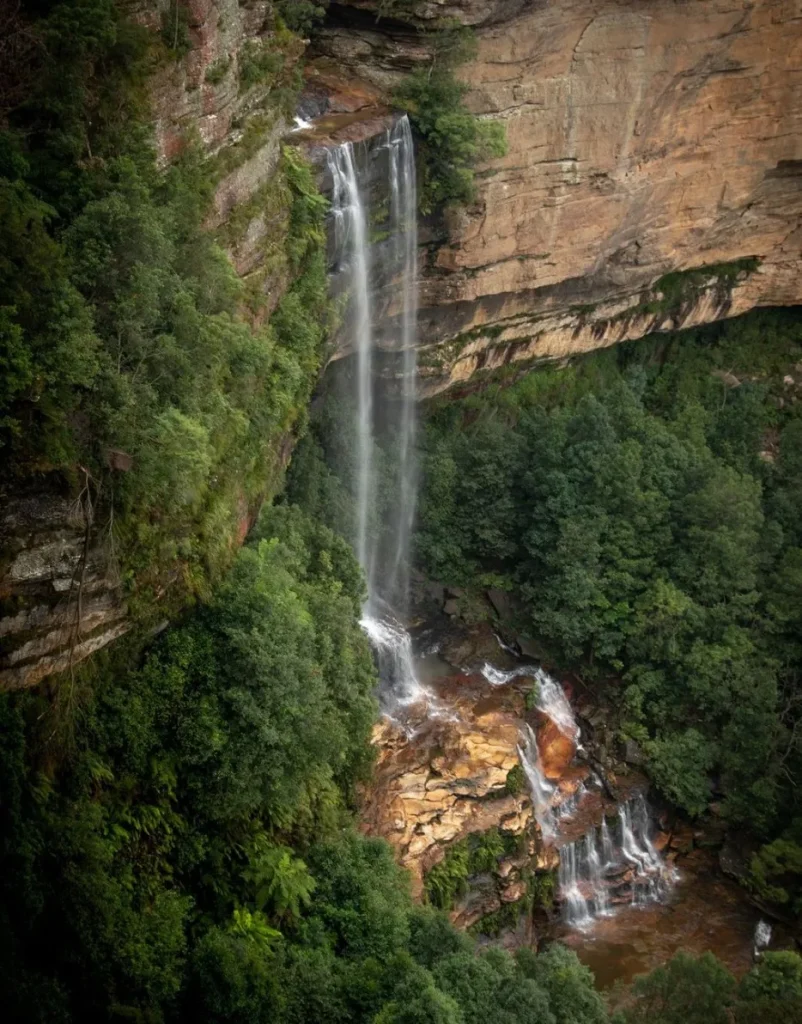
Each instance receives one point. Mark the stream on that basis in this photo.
(628, 901)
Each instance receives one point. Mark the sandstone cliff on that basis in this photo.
(644, 138)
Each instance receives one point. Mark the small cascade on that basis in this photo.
(612, 866)
(568, 808)
(541, 790)
(551, 700)
(576, 908)
(607, 865)
(392, 646)
(500, 677)
(762, 938)
(607, 844)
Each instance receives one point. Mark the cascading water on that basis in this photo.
(551, 700)
(541, 790)
(404, 225)
(762, 938)
(607, 866)
(604, 865)
(384, 559)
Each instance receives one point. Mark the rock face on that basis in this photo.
(446, 783)
(644, 138)
(59, 598)
(446, 779)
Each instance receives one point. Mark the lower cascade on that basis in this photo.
(614, 862)
(612, 865)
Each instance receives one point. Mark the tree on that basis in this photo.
(684, 991)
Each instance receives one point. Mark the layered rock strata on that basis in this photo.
(61, 601)
(644, 138)
(448, 780)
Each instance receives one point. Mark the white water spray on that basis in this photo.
(762, 938)
(385, 561)
(541, 790)
(612, 865)
(350, 222)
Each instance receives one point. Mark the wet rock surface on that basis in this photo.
(632, 882)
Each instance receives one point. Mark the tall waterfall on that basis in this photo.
(404, 225)
(383, 547)
(350, 225)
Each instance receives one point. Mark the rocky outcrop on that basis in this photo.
(644, 138)
(449, 778)
(59, 598)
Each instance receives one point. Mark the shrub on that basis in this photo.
(452, 140)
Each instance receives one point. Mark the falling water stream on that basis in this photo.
(608, 864)
(383, 551)
(613, 863)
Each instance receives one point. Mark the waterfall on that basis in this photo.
(383, 553)
(576, 910)
(551, 700)
(541, 790)
(404, 225)
(762, 938)
(350, 225)
(597, 871)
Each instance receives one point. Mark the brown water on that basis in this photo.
(705, 911)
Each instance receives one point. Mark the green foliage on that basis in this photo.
(680, 763)
(447, 880)
(399, 9)
(515, 783)
(698, 991)
(301, 15)
(684, 991)
(217, 71)
(122, 326)
(775, 871)
(683, 286)
(567, 983)
(259, 64)
(624, 499)
(452, 140)
(175, 29)
(478, 853)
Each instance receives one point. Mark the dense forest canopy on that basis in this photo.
(127, 338)
(644, 505)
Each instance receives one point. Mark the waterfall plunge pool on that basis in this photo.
(700, 910)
